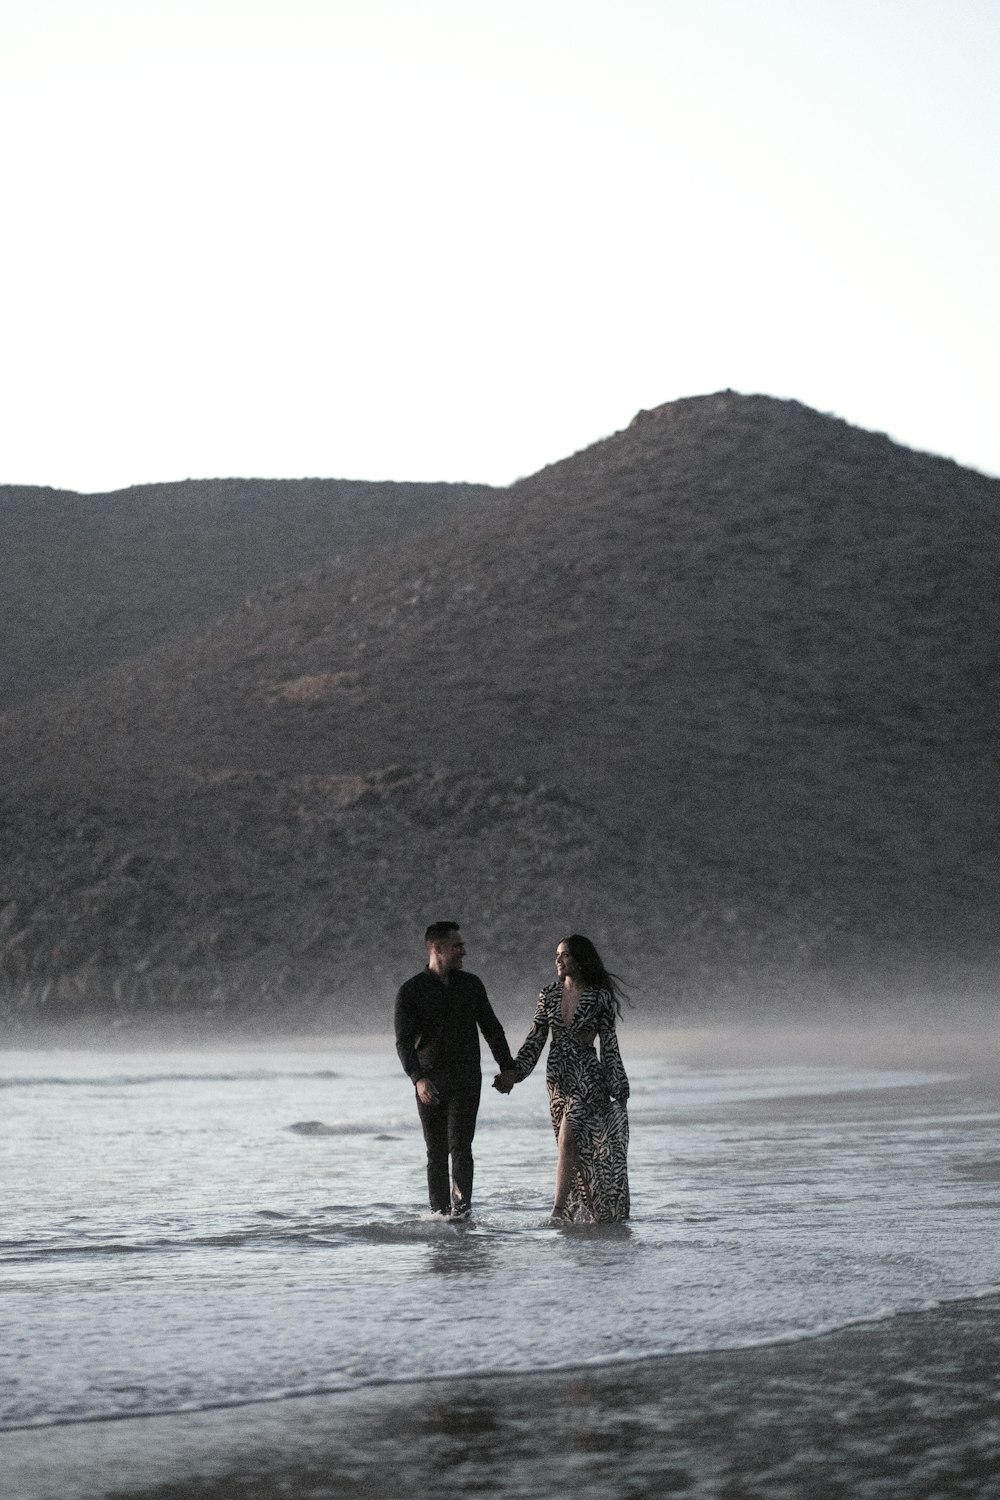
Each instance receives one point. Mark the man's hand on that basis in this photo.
(505, 1081)
(426, 1092)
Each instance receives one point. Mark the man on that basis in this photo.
(439, 1014)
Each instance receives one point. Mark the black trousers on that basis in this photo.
(448, 1129)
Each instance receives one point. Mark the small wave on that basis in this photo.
(23, 1252)
(339, 1127)
(138, 1080)
(332, 1387)
(270, 1228)
(411, 1230)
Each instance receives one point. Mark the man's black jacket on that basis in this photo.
(436, 1029)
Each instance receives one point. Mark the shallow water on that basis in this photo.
(170, 1241)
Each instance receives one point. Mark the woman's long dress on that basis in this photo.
(592, 1091)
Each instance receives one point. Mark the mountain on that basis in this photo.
(719, 690)
(88, 581)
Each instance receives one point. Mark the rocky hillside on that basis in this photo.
(291, 899)
(88, 581)
(720, 689)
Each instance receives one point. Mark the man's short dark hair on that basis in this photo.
(438, 931)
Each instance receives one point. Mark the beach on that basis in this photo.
(909, 1406)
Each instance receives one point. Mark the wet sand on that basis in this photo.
(908, 1407)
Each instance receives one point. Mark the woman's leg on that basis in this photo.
(567, 1167)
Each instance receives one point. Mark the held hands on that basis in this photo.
(505, 1081)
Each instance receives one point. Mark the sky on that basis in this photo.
(459, 239)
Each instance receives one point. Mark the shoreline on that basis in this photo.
(906, 1406)
(966, 1039)
(483, 1376)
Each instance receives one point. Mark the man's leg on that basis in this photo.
(434, 1120)
(462, 1106)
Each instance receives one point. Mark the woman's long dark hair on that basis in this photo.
(592, 971)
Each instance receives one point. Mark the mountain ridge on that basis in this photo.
(750, 647)
(120, 573)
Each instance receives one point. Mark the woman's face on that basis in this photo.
(566, 965)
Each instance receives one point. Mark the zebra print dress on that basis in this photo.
(592, 1091)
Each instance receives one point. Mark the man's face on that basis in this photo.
(450, 951)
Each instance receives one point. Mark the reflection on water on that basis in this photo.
(459, 1252)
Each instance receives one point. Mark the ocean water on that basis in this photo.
(181, 1231)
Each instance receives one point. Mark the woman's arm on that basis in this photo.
(531, 1050)
(611, 1059)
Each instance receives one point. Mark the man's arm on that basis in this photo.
(405, 1022)
(406, 1047)
(490, 1026)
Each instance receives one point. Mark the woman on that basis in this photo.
(587, 1093)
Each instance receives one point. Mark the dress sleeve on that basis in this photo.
(611, 1059)
(531, 1050)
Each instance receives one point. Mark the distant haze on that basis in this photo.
(720, 691)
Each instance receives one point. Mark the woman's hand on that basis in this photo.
(505, 1081)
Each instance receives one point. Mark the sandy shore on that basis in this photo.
(909, 1407)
